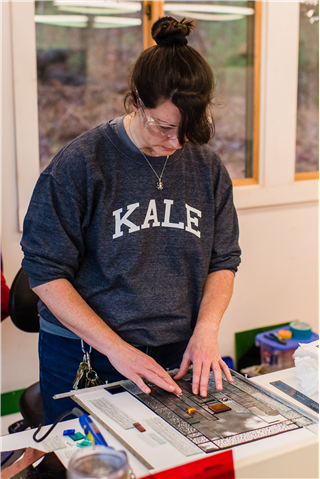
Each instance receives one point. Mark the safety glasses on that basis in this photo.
(156, 127)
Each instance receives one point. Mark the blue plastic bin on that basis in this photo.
(276, 356)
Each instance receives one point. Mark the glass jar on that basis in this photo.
(99, 462)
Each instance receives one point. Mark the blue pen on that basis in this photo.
(89, 427)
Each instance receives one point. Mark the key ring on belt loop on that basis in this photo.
(83, 348)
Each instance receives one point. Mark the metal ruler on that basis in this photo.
(297, 395)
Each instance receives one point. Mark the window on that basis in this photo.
(228, 36)
(307, 141)
(83, 55)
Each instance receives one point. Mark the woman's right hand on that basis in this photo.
(136, 365)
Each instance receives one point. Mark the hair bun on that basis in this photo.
(169, 31)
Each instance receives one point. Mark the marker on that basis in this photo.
(89, 427)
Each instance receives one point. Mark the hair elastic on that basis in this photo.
(175, 38)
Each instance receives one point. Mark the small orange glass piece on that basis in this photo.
(192, 411)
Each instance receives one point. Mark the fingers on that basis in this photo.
(166, 383)
(139, 382)
(135, 365)
(183, 367)
(201, 374)
(197, 367)
(217, 375)
(154, 373)
(197, 374)
(226, 371)
(205, 373)
(200, 379)
(162, 379)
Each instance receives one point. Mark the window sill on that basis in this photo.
(257, 196)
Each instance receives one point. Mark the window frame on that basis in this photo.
(274, 180)
(306, 175)
(151, 11)
(254, 180)
(25, 102)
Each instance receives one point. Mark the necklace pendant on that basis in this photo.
(160, 185)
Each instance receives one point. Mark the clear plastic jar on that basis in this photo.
(99, 462)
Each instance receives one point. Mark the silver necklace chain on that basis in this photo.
(159, 184)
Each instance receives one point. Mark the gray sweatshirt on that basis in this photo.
(139, 256)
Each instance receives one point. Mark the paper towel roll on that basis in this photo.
(306, 359)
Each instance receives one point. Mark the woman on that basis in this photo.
(131, 236)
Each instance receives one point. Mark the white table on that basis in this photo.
(293, 454)
(288, 376)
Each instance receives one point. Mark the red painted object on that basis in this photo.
(4, 298)
(217, 466)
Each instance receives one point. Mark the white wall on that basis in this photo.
(19, 357)
(278, 278)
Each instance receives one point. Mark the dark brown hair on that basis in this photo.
(172, 70)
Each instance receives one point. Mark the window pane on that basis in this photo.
(83, 55)
(225, 37)
(307, 146)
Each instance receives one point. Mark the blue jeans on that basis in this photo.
(59, 361)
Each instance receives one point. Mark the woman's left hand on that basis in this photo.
(203, 352)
